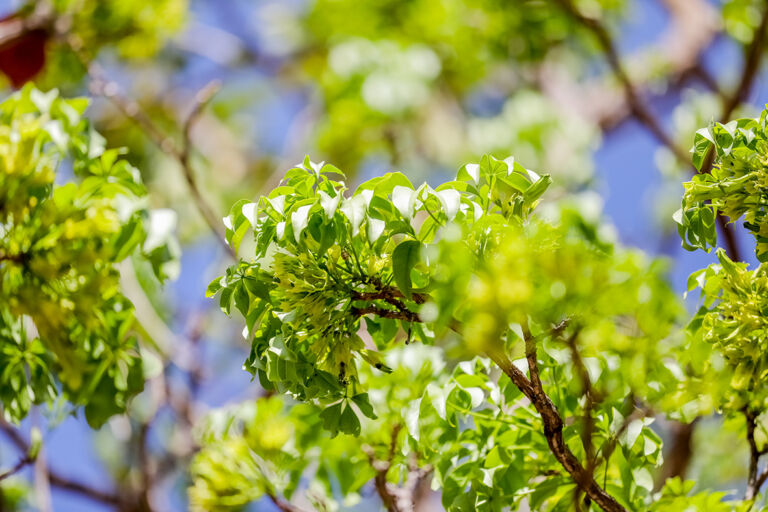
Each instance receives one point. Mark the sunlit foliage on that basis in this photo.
(466, 267)
(66, 329)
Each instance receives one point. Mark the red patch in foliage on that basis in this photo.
(22, 57)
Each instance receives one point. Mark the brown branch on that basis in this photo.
(14, 436)
(56, 479)
(531, 355)
(202, 99)
(66, 484)
(761, 480)
(100, 85)
(678, 457)
(637, 106)
(553, 431)
(21, 464)
(131, 109)
(393, 443)
(145, 466)
(384, 489)
(706, 78)
(693, 25)
(282, 504)
(646, 117)
(407, 315)
(390, 294)
(591, 398)
(14, 28)
(393, 497)
(533, 390)
(677, 463)
(751, 66)
(754, 454)
(19, 258)
(643, 113)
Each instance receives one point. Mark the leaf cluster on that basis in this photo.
(66, 328)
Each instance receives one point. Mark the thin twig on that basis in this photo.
(21, 464)
(56, 479)
(202, 99)
(591, 399)
(407, 315)
(637, 106)
(641, 111)
(282, 504)
(100, 85)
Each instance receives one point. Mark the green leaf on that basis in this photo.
(331, 417)
(404, 258)
(470, 172)
(411, 417)
(536, 190)
(364, 404)
(349, 422)
(702, 142)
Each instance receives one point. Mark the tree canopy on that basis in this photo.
(420, 321)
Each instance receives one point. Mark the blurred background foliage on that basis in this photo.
(417, 86)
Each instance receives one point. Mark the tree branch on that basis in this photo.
(754, 455)
(591, 399)
(751, 66)
(13, 28)
(384, 489)
(407, 315)
(761, 480)
(643, 113)
(637, 106)
(100, 85)
(395, 498)
(693, 25)
(21, 464)
(534, 391)
(56, 479)
(282, 504)
(553, 431)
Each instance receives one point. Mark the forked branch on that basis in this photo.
(533, 389)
